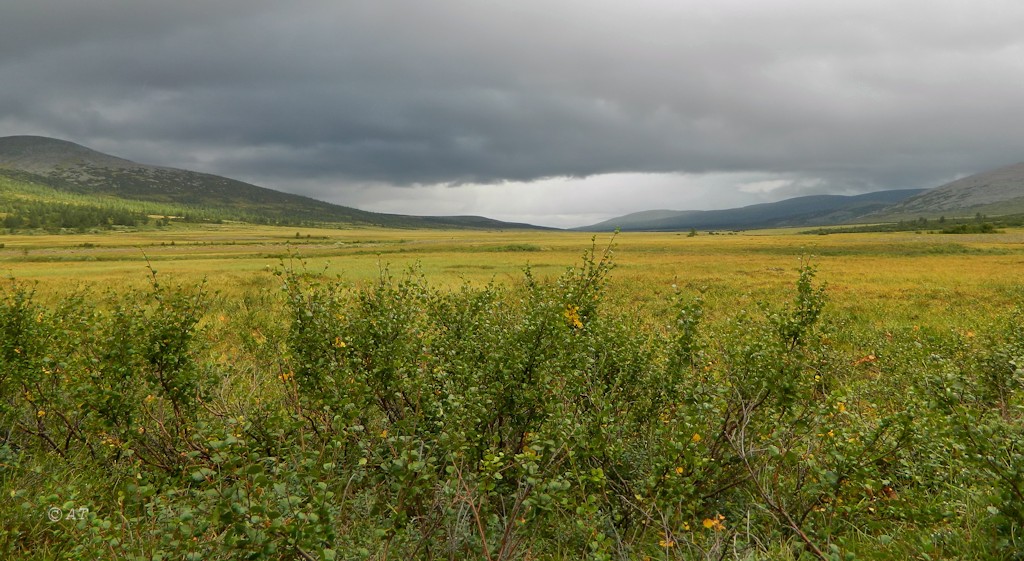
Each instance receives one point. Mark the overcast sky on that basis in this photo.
(556, 112)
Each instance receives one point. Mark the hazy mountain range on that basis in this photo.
(46, 170)
(813, 210)
(993, 193)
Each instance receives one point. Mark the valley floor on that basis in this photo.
(233, 391)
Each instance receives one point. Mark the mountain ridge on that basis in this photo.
(998, 191)
(68, 167)
(810, 210)
(71, 167)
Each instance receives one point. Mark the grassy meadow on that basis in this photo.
(315, 393)
(934, 279)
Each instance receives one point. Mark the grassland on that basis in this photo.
(898, 276)
(755, 395)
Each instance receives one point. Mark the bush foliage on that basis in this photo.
(533, 421)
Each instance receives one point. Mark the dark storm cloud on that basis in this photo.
(838, 97)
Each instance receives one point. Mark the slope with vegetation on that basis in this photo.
(70, 168)
(27, 204)
(994, 193)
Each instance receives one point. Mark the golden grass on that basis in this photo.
(927, 278)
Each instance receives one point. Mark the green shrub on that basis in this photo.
(530, 421)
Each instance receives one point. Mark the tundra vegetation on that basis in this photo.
(690, 397)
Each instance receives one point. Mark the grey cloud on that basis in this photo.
(846, 97)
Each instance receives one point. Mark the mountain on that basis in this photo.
(812, 210)
(996, 192)
(66, 167)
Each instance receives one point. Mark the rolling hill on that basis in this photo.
(995, 193)
(813, 210)
(52, 171)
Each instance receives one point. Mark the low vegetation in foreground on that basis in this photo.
(528, 421)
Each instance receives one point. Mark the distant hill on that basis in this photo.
(813, 210)
(71, 168)
(996, 192)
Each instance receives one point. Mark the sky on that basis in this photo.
(554, 112)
